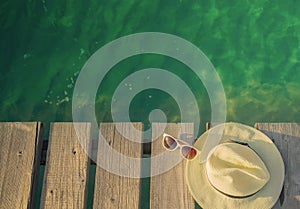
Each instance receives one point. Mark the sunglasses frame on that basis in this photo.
(185, 144)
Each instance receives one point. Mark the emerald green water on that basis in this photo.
(254, 46)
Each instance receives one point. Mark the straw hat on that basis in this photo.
(244, 171)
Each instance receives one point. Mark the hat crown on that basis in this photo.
(236, 170)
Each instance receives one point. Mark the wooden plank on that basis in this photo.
(111, 190)
(94, 144)
(286, 136)
(67, 166)
(20, 153)
(168, 189)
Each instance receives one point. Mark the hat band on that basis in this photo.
(231, 196)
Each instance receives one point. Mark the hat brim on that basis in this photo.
(210, 198)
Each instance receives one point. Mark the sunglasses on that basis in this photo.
(171, 143)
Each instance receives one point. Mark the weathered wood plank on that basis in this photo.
(94, 145)
(286, 136)
(67, 166)
(111, 190)
(20, 151)
(168, 189)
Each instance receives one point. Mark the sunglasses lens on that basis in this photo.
(170, 143)
(189, 152)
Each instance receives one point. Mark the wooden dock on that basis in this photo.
(67, 167)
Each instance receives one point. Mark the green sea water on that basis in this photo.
(254, 46)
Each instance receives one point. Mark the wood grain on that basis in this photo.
(168, 189)
(111, 190)
(20, 153)
(286, 136)
(67, 166)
